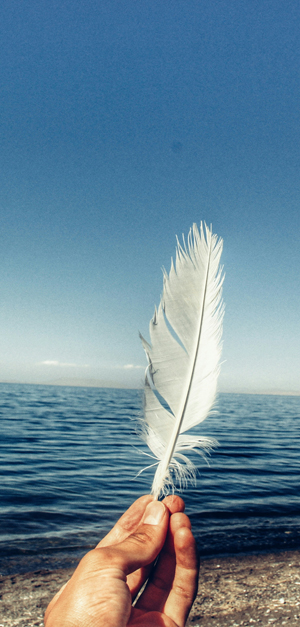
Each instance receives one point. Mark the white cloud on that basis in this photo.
(132, 367)
(53, 362)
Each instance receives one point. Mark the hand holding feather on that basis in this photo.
(184, 357)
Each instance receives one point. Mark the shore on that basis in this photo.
(237, 591)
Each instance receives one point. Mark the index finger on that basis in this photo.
(161, 580)
(185, 584)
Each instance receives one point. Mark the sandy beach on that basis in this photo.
(233, 591)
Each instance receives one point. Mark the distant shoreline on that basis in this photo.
(113, 386)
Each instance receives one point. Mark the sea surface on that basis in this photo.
(69, 464)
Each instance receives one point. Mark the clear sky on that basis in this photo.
(122, 123)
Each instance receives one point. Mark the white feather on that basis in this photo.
(184, 357)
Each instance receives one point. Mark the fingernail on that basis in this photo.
(154, 513)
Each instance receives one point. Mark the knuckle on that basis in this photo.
(184, 593)
(89, 560)
(141, 548)
(141, 538)
(97, 558)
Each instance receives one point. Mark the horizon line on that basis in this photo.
(90, 383)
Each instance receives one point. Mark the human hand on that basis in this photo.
(108, 578)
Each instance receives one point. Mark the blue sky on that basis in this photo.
(122, 123)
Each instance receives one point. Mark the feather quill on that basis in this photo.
(184, 358)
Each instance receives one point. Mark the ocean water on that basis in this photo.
(69, 459)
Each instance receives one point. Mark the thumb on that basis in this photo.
(143, 546)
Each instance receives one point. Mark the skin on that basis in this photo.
(108, 578)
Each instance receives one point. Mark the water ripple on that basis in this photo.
(69, 459)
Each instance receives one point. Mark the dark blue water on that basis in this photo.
(69, 459)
